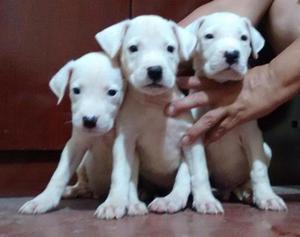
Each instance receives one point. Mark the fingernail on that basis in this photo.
(171, 110)
(186, 140)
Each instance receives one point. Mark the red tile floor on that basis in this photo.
(75, 218)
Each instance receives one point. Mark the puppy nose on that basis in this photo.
(232, 56)
(89, 122)
(155, 73)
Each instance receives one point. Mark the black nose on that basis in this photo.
(155, 73)
(232, 56)
(89, 122)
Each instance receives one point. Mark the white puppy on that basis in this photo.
(225, 42)
(150, 49)
(96, 93)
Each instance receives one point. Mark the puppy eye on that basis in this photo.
(76, 90)
(133, 48)
(209, 36)
(170, 49)
(112, 92)
(244, 37)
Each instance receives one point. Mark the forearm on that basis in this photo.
(285, 72)
(253, 9)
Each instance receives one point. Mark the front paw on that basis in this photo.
(137, 209)
(38, 205)
(168, 204)
(269, 201)
(111, 210)
(208, 205)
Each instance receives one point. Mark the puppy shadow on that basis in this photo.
(87, 204)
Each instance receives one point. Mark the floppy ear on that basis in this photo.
(186, 41)
(195, 25)
(59, 81)
(256, 39)
(110, 39)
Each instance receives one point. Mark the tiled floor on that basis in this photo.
(75, 218)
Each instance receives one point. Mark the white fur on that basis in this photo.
(144, 133)
(94, 74)
(241, 152)
(210, 57)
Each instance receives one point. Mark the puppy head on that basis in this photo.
(225, 43)
(150, 49)
(96, 91)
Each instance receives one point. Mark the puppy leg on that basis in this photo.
(203, 198)
(50, 197)
(263, 194)
(244, 192)
(123, 157)
(81, 188)
(177, 198)
(135, 206)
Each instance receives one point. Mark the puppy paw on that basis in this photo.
(269, 201)
(208, 205)
(244, 195)
(77, 192)
(40, 204)
(168, 204)
(137, 209)
(111, 210)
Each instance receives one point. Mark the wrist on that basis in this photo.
(284, 87)
(277, 92)
(286, 71)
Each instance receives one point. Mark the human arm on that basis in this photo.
(253, 9)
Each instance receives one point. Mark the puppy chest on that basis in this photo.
(158, 147)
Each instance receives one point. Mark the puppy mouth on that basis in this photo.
(154, 85)
(228, 69)
(92, 131)
(231, 68)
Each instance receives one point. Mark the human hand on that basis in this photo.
(231, 103)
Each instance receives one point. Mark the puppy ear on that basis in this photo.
(110, 39)
(195, 25)
(59, 81)
(186, 40)
(256, 39)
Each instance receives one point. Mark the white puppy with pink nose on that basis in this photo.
(225, 43)
(96, 93)
(150, 48)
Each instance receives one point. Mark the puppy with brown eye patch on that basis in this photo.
(94, 110)
(239, 160)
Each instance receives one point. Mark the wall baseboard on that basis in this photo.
(26, 173)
